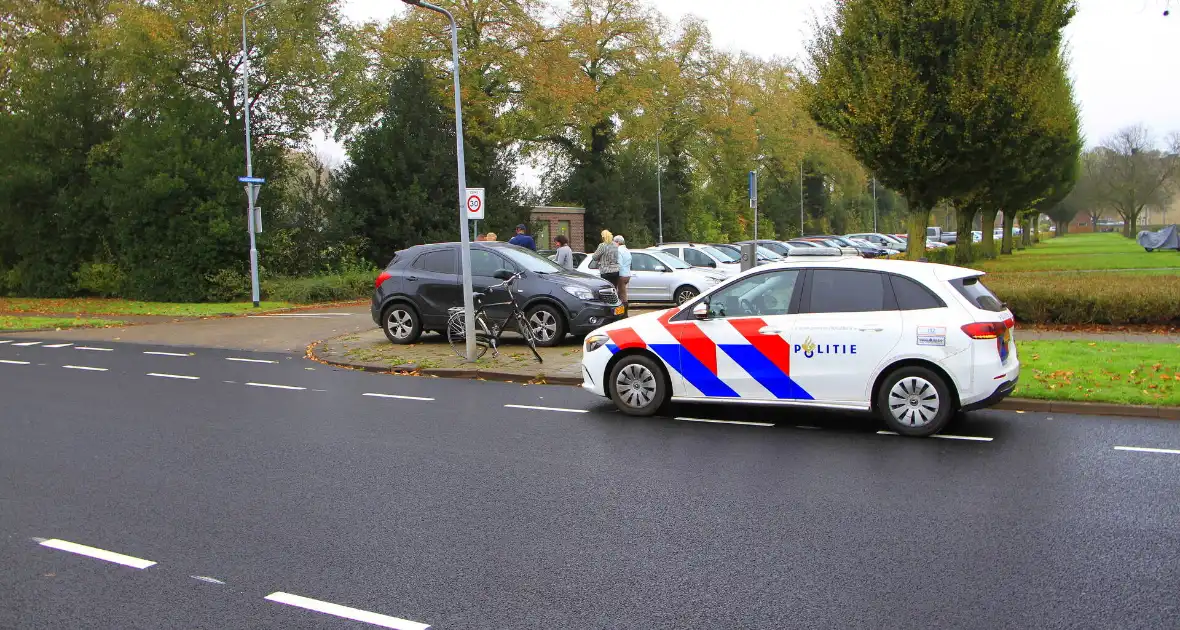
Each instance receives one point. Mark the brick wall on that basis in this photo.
(553, 220)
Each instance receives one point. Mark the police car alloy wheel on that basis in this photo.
(914, 401)
(637, 386)
(402, 325)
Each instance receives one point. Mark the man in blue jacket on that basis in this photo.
(522, 240)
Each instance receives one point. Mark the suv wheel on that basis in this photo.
(401, 323)
(915, 401)
(547, 324)
(637, 385)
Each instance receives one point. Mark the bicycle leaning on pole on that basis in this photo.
(487, 330)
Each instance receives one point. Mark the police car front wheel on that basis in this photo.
(914, 401)
(637, 386)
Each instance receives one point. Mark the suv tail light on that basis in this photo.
(991, 330)
(385, 275)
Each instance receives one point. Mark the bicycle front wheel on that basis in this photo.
(457, 335)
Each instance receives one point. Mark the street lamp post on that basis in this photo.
(659, 192)
(464, 238)
(251, 188)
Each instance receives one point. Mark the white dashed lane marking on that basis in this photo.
(58, 345)
(4, 341)
(276, 386)
(83, 367)
(336, 610)
(177, 376)
(748, 424)
(205, 578)
(165, 354)
(398, 397)
(27, 343)
(7, 362)
(95, 552)
(94, 349)
(968, 438)
(535, 408)
(249, 360)
(1144, 449)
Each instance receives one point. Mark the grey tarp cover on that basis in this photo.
(1167, 238)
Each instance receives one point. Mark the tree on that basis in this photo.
(401, 187)
(907, 86)
(1130, 173)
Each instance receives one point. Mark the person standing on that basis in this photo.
(490, 237)
(607, 257)
(523, 240)
(565, 255)
(624, 268)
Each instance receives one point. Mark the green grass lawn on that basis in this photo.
(43, 323)
(1121, 373)
(1106, 251)
(99, 306)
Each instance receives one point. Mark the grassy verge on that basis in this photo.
(42, 323)
(1074, 252)
(101, 306)
(1121, 373)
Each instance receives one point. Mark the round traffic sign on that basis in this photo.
(473, 203)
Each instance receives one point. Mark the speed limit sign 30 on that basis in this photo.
(475, 203)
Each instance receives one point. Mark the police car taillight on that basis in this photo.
(990, 330)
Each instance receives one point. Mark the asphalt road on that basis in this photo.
(448, 508)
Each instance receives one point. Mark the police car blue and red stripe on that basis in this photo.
(913, 342)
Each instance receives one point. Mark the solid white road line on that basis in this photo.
(275, 386)
(1144, 449)
(356, 614)
(166, 354)
(534, 408)
(58, 345)
(249, 360)
(28, 343)
(749, 424)
(968, 438)
(179, 376)
(94, 349)
(94, 552)
(4, 341)
(398, 397)
(83, 367)
(7, 362)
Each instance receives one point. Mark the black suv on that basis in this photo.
(422, 282)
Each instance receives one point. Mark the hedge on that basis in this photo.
(340, 287)
(1089, 298)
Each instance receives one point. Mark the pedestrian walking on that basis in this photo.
(522, 239)
(607, 257)
(624, 267)
(565, 255)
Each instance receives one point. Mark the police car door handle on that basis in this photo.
(770, 330)
(870, 328)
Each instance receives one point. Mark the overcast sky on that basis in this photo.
(1123, 52)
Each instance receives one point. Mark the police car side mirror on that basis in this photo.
(701, 310)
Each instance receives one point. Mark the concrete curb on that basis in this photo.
(1008, 404)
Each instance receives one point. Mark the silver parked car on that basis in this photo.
(660, 277)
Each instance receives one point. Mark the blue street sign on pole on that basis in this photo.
(753, 189)
(252, 180)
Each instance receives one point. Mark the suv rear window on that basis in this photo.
(977, 294)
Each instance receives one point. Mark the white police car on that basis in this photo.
(914, 342)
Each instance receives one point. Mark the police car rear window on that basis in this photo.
(979, 295)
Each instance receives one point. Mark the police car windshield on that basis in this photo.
(669, 260)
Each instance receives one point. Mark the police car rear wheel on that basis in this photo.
(638, 387)
(914, 401)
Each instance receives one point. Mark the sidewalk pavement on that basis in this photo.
(268, 332)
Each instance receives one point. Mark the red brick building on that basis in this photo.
(549, 221)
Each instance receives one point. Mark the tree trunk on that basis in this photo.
(964, 248)
(1006, 243)
(916, 228)
(1026, 233)
(987, 244)
(1035, 222)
